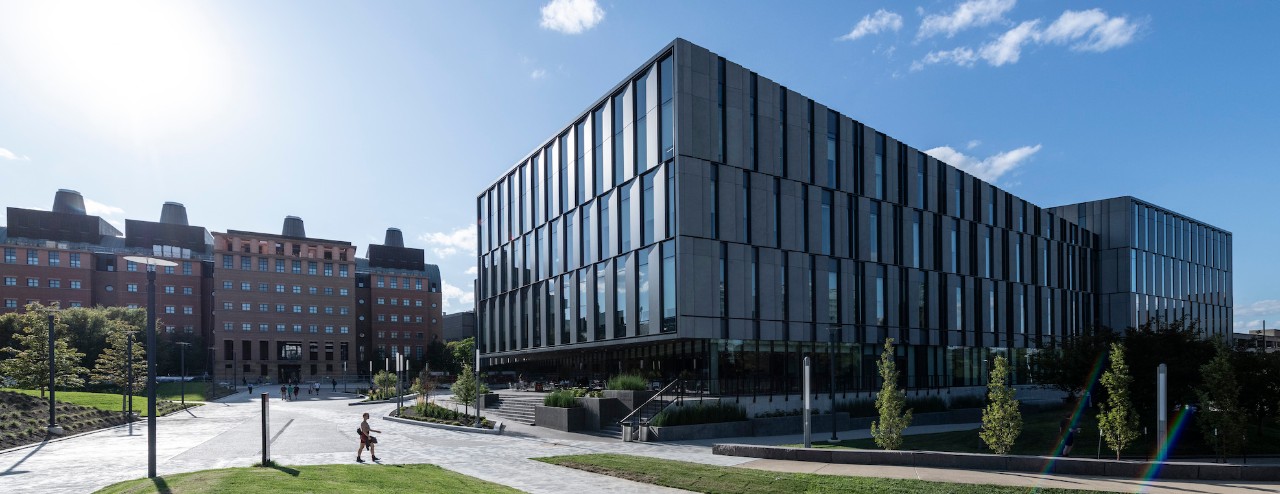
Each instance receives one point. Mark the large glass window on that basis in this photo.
(624, 218)
(916, 232)
(879, 166)
(833, 131)
(597, 151)
(562, 149)
(646, 209)
(602, 290)
(588, 250)
(828, 223)
(880, 301)
(671, 201)
(833, 291)
(619, 149)
(986, 249)
(955, 246)
(922, 201)
(570, 242)
(668, 287)
(621, 282)
(606, 240)
(753, 129)
(566, 307)
(642, 289)
(585, 277)
(640, 92)
(666, 114)
(722, 300)
(781, 138)
(579, 150)
(554, 232)
(720, 111)
(745, 205)
(873, 230)
(713, 201)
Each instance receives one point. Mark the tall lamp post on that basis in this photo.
(128, 377)
(54, 428)
(151, 263)
(183, 384)
(831, 356)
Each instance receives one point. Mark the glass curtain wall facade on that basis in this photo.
(743, 226)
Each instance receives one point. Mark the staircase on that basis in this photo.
(514, 409)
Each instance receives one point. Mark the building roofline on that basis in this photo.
(286, 237)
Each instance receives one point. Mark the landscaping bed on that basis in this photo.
(24, 419)
(437, 414)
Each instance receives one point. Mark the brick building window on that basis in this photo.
(33, 257)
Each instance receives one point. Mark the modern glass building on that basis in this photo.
(702, 220)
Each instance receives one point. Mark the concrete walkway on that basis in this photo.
(322, 430)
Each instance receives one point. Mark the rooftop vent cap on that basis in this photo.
(68, 201)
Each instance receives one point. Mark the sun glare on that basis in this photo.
(149, 68)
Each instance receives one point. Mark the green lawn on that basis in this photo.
(1040, 437)
(103, 401)
(317, 478)
(173, 391)
(715, 479)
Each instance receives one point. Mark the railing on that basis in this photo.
(671, 393)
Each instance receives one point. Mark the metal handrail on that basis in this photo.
(640, 408)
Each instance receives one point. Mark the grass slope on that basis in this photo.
(24, 418)
(316, 478)
(731, 480)
(103, 401)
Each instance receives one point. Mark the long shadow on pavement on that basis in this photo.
(11, 471)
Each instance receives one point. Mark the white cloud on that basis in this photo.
(450, 295)
(1090, 30)
(973, 13)
(571, 16)
(1008, 47)
(96, 208)
(9, 155)
(538, 74)
(882, 20)
(961, 56)
(973, 144)
(988, 169)
(446, 244)
(471, 271)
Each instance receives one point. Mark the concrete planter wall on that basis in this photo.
(561, 419)
(490, 399)
(603, 411)
(794, 424)
(698, 431)
(630, 399)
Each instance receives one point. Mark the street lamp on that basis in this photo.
(54, 428)
(151, 263)
(128, 378)
(831, 356)
(183, 384)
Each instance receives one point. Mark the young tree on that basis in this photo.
(1221, 420)
(1117, 419)
(1001, 420)
(111, 367)
(28, 365)
(465, 389)
(462, 352)
(424, 384)
(890, 402)
(386, 384)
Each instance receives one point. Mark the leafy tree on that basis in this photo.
(110, 369)
(1001, 420)
(1117, 419)
(424, 384)
(1181, 345)
(28, 365)
(1259, 374)
(1068, 364)
(437, 356)
(465, 389)
(463, 353)
(386, 384)
(1221, 420)
(890, 402)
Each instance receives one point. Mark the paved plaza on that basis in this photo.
(322, 430)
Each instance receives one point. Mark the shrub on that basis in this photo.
(861, 407)
(926, 404)
(968, 401)
(699, 413)
(627, 382)
(561, 399)
(431, 412)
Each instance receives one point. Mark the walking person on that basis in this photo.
(284, 392)
(366, 441)
(335, 384)
(1069, 435)
(316, 387)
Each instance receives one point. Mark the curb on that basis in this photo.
(381, 402)
(497, 429)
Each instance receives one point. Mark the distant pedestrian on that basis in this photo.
(284, 392)
(366, 440)
(335, 384)
(316, 387)
(295, 391)
(250, 389)
(1068, 435)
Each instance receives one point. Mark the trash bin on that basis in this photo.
(644, 433)
(627, 433)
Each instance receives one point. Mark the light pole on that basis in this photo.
(183, 384)
(128, 377)
(344, 376)
(53, 429)
(831, 356)
(151, 355)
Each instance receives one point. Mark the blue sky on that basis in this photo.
(362, 116)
